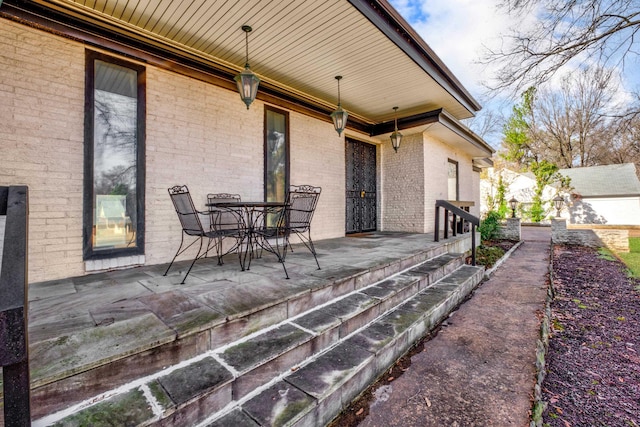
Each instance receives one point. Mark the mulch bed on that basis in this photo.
(593, 360)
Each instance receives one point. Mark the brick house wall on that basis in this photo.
(416, 176)
(41, 140)
(196, 134)
(403, 186)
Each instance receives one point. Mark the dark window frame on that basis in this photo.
(454, 162)
(287, 138)
(87, 217)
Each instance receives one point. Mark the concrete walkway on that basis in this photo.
(480, 368)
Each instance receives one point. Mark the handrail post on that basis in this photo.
(446, 226)
(436, 238)
(464, 215)
(14, 350)
(473, 245)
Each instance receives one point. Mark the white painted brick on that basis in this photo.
(196, 134)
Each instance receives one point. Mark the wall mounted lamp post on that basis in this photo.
(513, 203)
(339, 116)
(246, 81)
(557, 202)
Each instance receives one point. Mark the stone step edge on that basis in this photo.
(164, 414)
(338, 318)
(360, 279)
(43, 389)
(212, 352)
(387, 354)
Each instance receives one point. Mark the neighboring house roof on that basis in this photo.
(604, 181)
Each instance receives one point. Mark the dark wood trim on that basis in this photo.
(436, 116)
(406, 122)
(87, 215)
(287, 172)
(381, 14)
(160, 55)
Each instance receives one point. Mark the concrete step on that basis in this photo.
(302, 371)
(119, 326)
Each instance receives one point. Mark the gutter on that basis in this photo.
(384, 17)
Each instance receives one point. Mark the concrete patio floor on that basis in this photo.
(80, 324)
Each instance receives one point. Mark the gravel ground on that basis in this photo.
(593, 361)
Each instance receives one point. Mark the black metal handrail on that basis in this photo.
(464, 216)
(14, 349)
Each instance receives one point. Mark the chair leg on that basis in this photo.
(194, 261)
(176, 255)
(282, 257)
(313, 251)
(219, 253)
(309, 244)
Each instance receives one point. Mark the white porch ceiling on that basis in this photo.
(299, 45)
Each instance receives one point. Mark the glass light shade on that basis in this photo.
(396, 139)
(513, 203)
(558, 201)
(247, 85)
(339, 118)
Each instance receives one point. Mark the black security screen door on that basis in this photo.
(361, 186)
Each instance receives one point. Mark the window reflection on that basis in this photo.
(114, 156)
(275, 157)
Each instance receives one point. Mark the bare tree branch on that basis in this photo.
(601, 30)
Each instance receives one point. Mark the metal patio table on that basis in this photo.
(251, 221)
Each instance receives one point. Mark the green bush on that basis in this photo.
(489, 226)
(488, 255)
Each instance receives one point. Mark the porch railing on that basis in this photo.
(459, 217)
(14, 351)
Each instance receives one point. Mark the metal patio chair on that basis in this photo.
(227, 222)
(195, 224)
(295, 218)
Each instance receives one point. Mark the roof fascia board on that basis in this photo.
(158, 54)
(407, 122)
(436, 116)
(464, 132)
(607, 196)
(381, 14)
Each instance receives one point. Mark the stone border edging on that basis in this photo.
(542, 348)
(489, 272)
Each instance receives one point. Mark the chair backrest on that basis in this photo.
(301, 204)
(190, 218)
(223, 219)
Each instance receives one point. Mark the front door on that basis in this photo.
(361, 186)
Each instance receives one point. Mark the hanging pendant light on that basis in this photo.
(247, 81)
(396, 137)
(339, 116)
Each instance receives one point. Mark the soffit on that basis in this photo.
(299, 45)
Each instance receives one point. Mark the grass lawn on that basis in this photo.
(632, 258)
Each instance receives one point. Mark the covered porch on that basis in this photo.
(93, 335)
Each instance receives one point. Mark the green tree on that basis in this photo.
(501, 198)
(545, 174)
(517, 147)
(520, 148)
